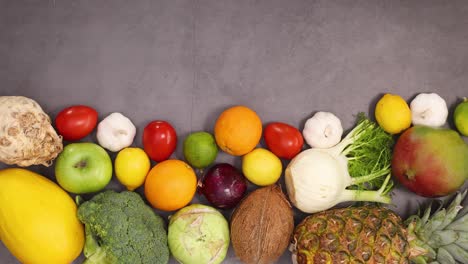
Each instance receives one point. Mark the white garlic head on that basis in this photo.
(428, 109)
(323, 130)
(115, 132)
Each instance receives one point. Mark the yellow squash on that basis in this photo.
(38, 221)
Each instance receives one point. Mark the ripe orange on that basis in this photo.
(170, 185)
(238, 130)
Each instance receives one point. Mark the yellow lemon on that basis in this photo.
(131, 167)
(261, 167)
(393, 113)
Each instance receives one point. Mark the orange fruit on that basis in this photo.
(238, 130)
(170, 185)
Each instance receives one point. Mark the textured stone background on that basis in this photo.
(186, 61)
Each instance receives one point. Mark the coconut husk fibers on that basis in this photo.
(262, 225)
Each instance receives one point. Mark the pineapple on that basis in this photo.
(372, 234)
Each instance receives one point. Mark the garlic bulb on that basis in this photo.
(428, 109)
(323, 130)
(115, 132)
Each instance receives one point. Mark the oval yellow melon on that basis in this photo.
(38, 221)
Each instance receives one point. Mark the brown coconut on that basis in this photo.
(262, 225)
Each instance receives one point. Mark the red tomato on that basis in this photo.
(76, 122)
(283, 140)
(159, 140)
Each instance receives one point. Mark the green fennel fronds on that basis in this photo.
(368, 149)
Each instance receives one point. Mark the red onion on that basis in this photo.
(223, 186)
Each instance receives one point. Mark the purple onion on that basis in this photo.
(223, 186)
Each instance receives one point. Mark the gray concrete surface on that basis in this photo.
(185, 61)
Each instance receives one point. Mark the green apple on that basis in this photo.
(83, 168)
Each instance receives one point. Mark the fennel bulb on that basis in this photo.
(356, 169)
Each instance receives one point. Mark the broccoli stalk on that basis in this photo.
(93, 252)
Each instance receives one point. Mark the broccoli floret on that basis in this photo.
(121, 228)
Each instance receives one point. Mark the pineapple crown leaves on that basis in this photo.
(441, 237)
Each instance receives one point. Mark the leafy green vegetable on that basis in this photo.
(368, 149)
(121, 228)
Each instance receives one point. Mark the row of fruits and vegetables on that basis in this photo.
(40, 222)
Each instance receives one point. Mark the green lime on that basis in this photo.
(200, 149)
(461, 117)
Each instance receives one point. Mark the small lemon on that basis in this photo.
(461, 117)
(131, 167)
(261, 167)
(393, 113)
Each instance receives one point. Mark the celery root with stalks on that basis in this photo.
(356, 169)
